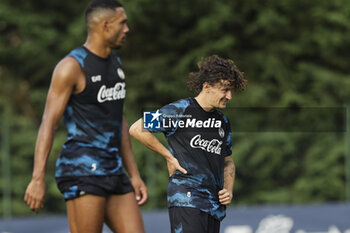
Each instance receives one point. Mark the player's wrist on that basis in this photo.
(169, 157)
(135, 176)
(38, 178)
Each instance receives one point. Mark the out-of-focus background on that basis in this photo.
(289, 127)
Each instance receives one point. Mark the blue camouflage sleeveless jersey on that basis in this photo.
(200, 141)
(93, 119)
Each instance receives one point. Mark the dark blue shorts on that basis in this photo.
(192, 220)
(73, 187)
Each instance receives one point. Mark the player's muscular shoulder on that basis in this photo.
(69, 73)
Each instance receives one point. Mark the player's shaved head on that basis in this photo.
(98, 10)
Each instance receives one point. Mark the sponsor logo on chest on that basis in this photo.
(211, 146)
(116, 92)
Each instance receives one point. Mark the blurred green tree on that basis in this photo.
(293, 53)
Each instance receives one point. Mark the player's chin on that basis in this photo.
(118, 44)
(222, 104)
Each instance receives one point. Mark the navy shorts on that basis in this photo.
(73, 187)
(192, 220)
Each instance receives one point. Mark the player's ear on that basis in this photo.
(104, 25)
(205, 87)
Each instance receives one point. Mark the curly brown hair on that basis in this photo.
(213, 70)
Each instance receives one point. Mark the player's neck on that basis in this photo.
(96, 46)
(202, 100)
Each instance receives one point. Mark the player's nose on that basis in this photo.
(228, 95)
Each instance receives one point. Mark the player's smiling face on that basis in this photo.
(219, 94)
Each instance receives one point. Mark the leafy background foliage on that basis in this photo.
(294, 54)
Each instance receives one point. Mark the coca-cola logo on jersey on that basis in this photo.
(113, 93)
(211, 146)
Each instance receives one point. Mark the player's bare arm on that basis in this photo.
(66, 79)
(131, 167)
(226, 194)
(151, 142)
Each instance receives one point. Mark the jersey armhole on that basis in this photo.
(79, 54)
